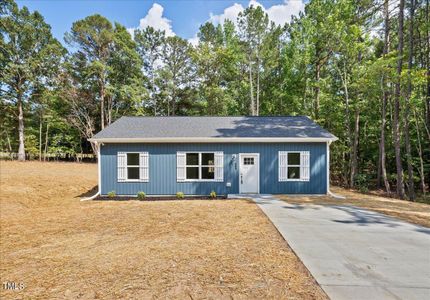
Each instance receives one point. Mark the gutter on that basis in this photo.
(99, 190)
(336, 196)
(92, 197)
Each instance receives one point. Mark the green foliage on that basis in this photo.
(323, 63)
(362, 182)
(180, 195)
(141, 195)
(111, 194)
(212, 194)
(29, 59)
(104, 74)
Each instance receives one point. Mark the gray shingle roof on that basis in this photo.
(214, 127)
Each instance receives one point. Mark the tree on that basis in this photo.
(30, 56)
(104, 72)
(319, 33)
(382, 154)
(253, 27)
(149, 46)
(396, 120)
(215, 59)
(125, 92)
(358, 68)
(94, 38)
(177, 76)
(411, 188)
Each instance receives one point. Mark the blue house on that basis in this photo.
(228, 155)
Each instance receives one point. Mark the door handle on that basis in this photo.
(241, 178)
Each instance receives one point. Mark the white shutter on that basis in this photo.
(144, 166)
(219, 166)
(180, 166)
(282, 163)
(304, 166)
(122, 166)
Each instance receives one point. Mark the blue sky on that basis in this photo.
(181, 18)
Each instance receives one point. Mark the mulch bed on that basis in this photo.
(158, 198)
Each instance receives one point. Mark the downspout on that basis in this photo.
(328, 174)
(99, 190)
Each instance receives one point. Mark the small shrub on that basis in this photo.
(362, 182)
(180, 195)
(111, 194)
(212, 195)
(141, 195)
(363, 189)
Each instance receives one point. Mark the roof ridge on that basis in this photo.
(283, 116)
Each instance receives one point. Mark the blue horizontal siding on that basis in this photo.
(162, 169)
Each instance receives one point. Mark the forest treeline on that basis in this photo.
(358, 68)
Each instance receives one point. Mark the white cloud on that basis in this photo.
(194, 40)
(230, 13)
(279, 14)
(282, 13)
(155, 19)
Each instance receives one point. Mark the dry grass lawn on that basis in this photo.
(59, 247)
(417, 213)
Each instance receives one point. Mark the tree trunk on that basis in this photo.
(8, 142)
(382, 165)
(40, 139)
(168, 105)
(257, 109)
(251, 88)
(173, 111)
(46, 141)
(382, 144)
(354, 154)
(344, 78)
(317, 91)
(396, 125)
(411, 188)
(109, 110)
(21, 149)
(102, 102)
(420, 156)
(378, 171)
(153, 89)
(428, 66)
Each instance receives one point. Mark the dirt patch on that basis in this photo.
(59, 247)
(417, 213)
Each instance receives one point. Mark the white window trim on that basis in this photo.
(199, 166)
(138, 166)
(294, 166)
(302, 166)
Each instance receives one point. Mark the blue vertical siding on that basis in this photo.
(162, 169)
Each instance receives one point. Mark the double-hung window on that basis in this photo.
(294, 166)
(200, 166)
(133, 166)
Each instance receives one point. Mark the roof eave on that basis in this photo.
(216, 140)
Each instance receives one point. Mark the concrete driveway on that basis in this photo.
(355, 253)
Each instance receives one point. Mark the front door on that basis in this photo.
(249, 181)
